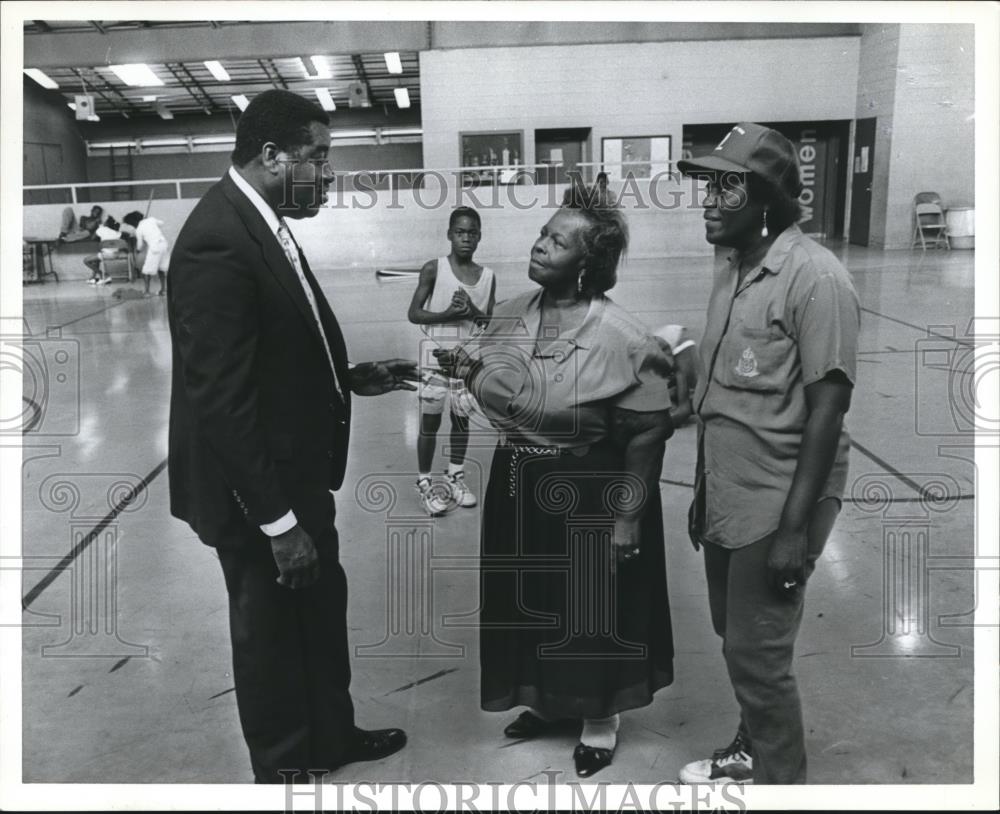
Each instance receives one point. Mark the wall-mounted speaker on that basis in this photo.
(357, 95)
(84, 107)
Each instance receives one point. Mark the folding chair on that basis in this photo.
(122, 254)
(929, 228)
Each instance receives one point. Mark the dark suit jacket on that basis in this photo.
(256, 424)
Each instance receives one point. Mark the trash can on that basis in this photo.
(961, 223)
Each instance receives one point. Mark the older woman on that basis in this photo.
(575, 622)
(779, 359)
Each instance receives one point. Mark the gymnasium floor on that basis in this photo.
(126, 671)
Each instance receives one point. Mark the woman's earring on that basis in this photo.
(763, 231)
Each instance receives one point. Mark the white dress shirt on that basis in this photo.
(284, 237)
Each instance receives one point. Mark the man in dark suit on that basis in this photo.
(259, 421)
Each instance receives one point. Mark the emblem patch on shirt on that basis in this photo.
(747, 366)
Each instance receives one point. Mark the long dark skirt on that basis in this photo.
(562, 628)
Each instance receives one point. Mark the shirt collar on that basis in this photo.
(583, 335)
(775, 257)
(262, 206)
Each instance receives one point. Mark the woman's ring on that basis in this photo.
(790, 585)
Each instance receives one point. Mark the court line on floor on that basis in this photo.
(94, 533)
(82, 546)
(924, 330)
(88, 316)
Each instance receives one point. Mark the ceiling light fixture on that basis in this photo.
(241, 101)
(149, 98)
(214, 139)
(215, 68)
(393, 62)
(42, 78)
(163, 142)
(325, 99)
(136, 75)
(322, 67)
(402, 97)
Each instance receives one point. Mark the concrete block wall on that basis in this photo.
(877, 98)
(933, 124)
(632, 89)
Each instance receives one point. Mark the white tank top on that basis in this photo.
(449, 334)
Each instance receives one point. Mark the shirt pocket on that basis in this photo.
(756, 359)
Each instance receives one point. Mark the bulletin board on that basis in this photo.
(638, 156)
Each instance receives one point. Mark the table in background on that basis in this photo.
(41, 250)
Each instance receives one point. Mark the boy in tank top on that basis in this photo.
(454, 298)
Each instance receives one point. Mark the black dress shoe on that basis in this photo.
(528, 725)
(591, 759)
(374, 744)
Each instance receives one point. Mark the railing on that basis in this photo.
(390, 180)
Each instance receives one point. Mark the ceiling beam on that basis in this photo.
(112, 102)
(98, 26)
(201, 103)
(237, 40)
(272, 73)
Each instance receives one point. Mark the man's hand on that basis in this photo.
(296, 558)
(786, 563)
(625, 542)
(455, 363)
(376, 378)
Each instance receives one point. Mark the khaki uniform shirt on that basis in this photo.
(794, 319)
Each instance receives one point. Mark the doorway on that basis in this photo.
(862, 174)
(565, 148)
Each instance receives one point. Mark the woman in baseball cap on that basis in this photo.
(779, 354)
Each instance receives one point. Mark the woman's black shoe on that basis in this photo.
(528, 725)
(591, 759)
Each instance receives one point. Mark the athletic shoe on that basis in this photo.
(432, 498)
(732, 764)
(461, 494)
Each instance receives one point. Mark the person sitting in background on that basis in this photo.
(149, 235)
(70, 232)
(677, 340)
(109, 230)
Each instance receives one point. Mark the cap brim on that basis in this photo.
(709, 163)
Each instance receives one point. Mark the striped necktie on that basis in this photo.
(292, 253)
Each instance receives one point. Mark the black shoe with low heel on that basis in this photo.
(590, 760)
(528, 725)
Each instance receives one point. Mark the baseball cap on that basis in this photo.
(750, 147)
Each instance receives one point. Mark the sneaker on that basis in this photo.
(730, 765)
(106, 281)
(92, 281)
(460, 491)
(432, 498)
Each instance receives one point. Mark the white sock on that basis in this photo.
(601, 733)
(455, 468)
(422, 475)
